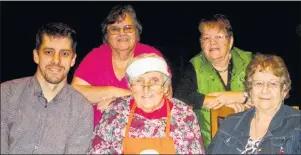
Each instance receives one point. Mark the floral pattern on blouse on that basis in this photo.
(110, 131)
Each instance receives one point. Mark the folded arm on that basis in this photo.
(97, 94)
(187, 92)
(230, 99)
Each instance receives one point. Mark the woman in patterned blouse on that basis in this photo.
(147, 122)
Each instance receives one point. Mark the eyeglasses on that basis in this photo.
(270, 84)
(207, 39)
(113, 30)
(138, 86)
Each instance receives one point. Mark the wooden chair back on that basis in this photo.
(217, 116)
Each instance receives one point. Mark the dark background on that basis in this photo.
(171, 27)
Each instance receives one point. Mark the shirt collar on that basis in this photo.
(34, 83)
(243, 125)
(63, 93)
(246, 118)
(37, 90)
(277, 120)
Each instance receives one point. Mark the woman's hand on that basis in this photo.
(230, 99)
(104, 104)
(209, 102)
(238, 107)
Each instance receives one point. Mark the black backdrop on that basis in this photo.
(171, 27)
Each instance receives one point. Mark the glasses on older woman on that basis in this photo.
(138, 85)
(206, 39)
(113, 30)
(270, 84)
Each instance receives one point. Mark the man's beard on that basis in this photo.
(53, 79)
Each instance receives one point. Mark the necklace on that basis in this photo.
(222, 71)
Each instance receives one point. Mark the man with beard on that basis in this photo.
(43, 114)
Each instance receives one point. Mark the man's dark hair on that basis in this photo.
(56, 30)
(118, 14)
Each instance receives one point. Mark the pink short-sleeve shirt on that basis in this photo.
(97, 69)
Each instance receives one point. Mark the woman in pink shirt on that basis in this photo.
(100, 76)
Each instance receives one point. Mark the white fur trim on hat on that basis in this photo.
(149, 64)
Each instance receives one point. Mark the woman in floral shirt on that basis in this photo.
(147, 122)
